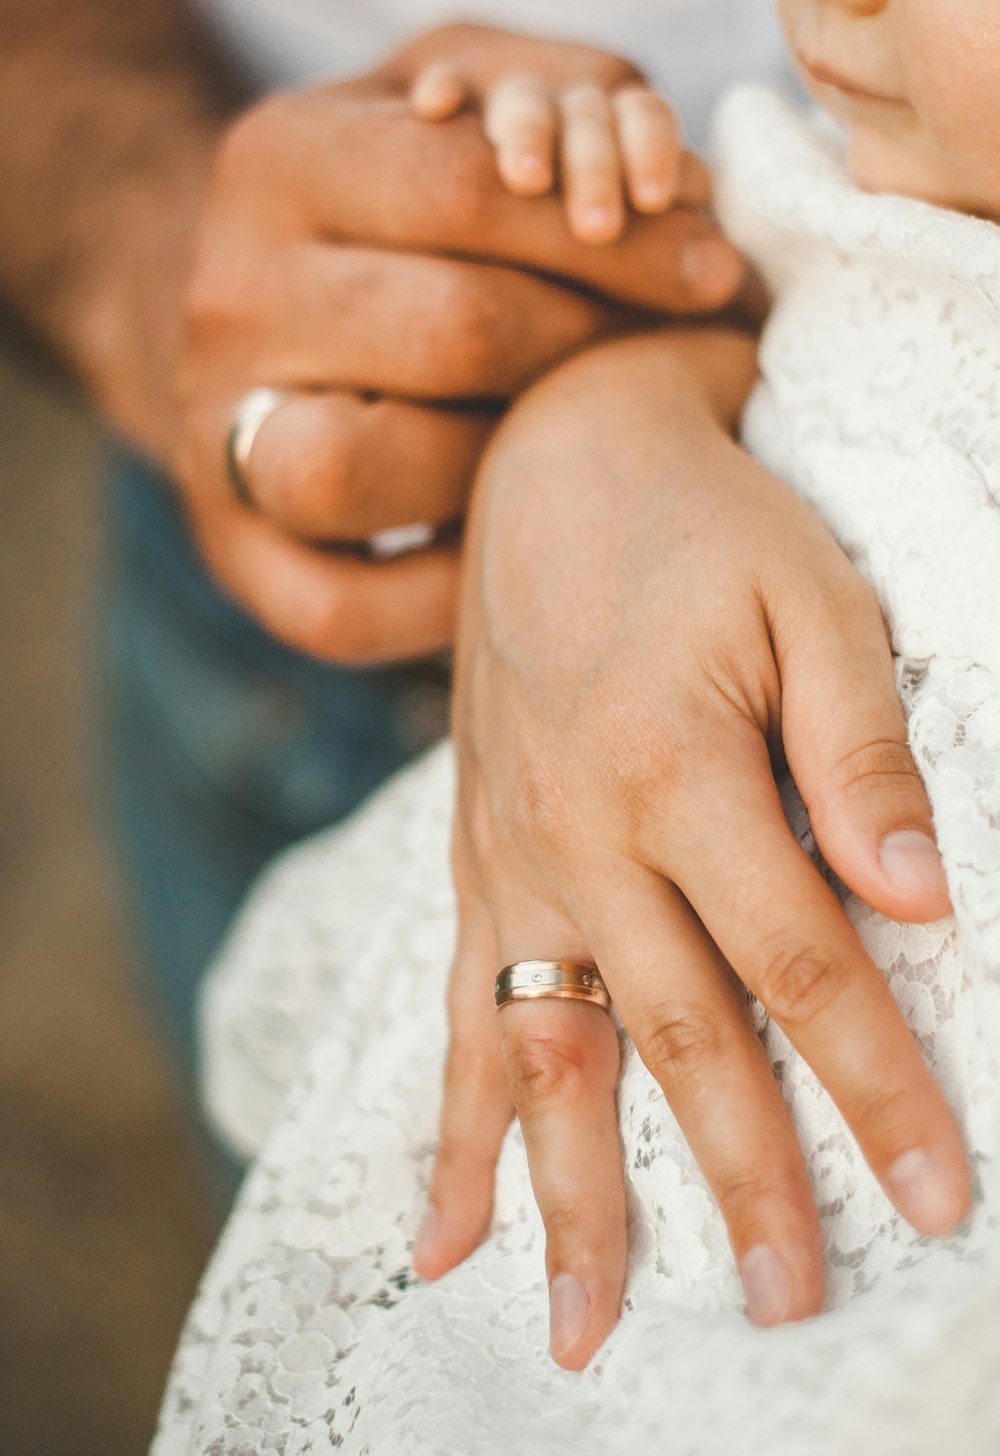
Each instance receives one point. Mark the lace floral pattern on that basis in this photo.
(325, 1023)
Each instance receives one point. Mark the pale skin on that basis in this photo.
(631, 818)
(220, 255)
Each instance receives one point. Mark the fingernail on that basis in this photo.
(597, 219)
(767, 1285)
(426, 1234)
(569, 1311)
(924, 1191)
(707, 264)
(912, 861)
(528, 166)
(652, 194)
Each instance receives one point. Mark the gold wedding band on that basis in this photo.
(561, 980)
(249, 416)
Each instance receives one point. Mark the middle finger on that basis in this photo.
(689, 1020)
(339, 467)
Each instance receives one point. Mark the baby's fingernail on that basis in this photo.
(912, 861)
(652, 194)
(709, 265)
(767, 1285)
(569, 1311)
(427, 1234)
(598, 221)
(528, 166)
(924, 1191)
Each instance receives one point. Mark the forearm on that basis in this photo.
(109, 115)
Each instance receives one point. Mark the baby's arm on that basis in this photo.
(603, 149)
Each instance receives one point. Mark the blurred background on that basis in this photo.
(104, 1222)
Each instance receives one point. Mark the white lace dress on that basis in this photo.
(881, 403)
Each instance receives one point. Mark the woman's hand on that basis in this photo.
(647, 616)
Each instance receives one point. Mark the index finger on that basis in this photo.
(782, 929)
(435, 189)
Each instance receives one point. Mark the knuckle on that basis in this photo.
(470, 326)
(679, 1044)
(797, 982)
(886, 1114)
(877, 763)
(745, 1190)
(345, 631)
(644, 770)
(320, 477)
(250, 140)
(215, 300)
(540, 813)
(466, 185)
(544, 1069)
(564, 1223)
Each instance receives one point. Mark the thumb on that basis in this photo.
(846, 744)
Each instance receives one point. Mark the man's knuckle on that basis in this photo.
(344, 628)
(798, 981)
(470, 326)
(543, 1069)
(466, 184)
(679, 1044)
(250, 140)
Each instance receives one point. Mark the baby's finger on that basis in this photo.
(520, 121)
(439, 92)
(649, 138)
(591, 168)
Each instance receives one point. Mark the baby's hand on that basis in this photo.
(598, 147)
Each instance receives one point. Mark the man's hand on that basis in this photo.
(647, 615)
(372, 264)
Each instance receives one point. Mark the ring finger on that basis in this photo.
(341, 467)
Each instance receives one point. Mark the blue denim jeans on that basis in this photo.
(224, 745)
